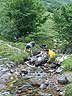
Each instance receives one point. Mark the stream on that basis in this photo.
(23, 80)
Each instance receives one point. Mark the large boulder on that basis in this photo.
(38, 59)
(41, 60)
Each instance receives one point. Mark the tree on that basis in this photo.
(22, 17)
(63, 22)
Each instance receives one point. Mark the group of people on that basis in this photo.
(51, 54)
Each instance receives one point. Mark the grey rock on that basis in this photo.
(6, 93)
(61, 94)
(62, 79)
(49, 94)
(25, 86)
(60, 69)
(2, 86)
(56, 88)
(53, 65)
(44, 94)
(69, 50)
(33, 59)
(43, 86)
(40, 61)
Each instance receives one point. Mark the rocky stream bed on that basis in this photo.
(23, 80)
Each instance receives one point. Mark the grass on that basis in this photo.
(68, 91)
(12, 53)
(68, 64)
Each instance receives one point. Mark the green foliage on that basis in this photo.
(12, 53)
(63, 21)
(46, 33)
(68, 91)
(68, 64)
(21, 17)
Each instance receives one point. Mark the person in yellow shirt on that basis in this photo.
(51, 55)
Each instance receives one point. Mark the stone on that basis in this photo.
(61, 93)
(44, 94)
(60, 69)
(49, 94)
(53, 66)
(25, 86)
(33, 59)
(5, 93)
(43, 86)
(57, 89)
(62, 79)
(68, 75)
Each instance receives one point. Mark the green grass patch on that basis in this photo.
(68, 91)
(12, 53)
(68, 64)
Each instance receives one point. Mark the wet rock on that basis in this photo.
(49, 94)
(60, 69)
(44, 94)
(56, 88)
(11, 71)
(39, 61)
(3, 69)
(68, 75)
(43, 86)
(2, 86)
(24, 88)
(61, 94)
(9, 63)
(51, 70)
(60, 59)
(2, 60)
(47, 82)
(62, 79)
(33, 59)
(42, 59)
(53, 66)
(35, 82)
(6, 93)
(37, 78)
(23, 72)
(6, 62)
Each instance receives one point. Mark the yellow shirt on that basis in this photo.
(51, 54)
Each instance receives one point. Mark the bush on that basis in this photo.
(63, 22)
(12, 53)
(68, 91)
(21, 17)
(68, 64)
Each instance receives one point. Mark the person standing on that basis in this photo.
(29, 46)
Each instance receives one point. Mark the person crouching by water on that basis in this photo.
(29, 46)
(51, 55)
